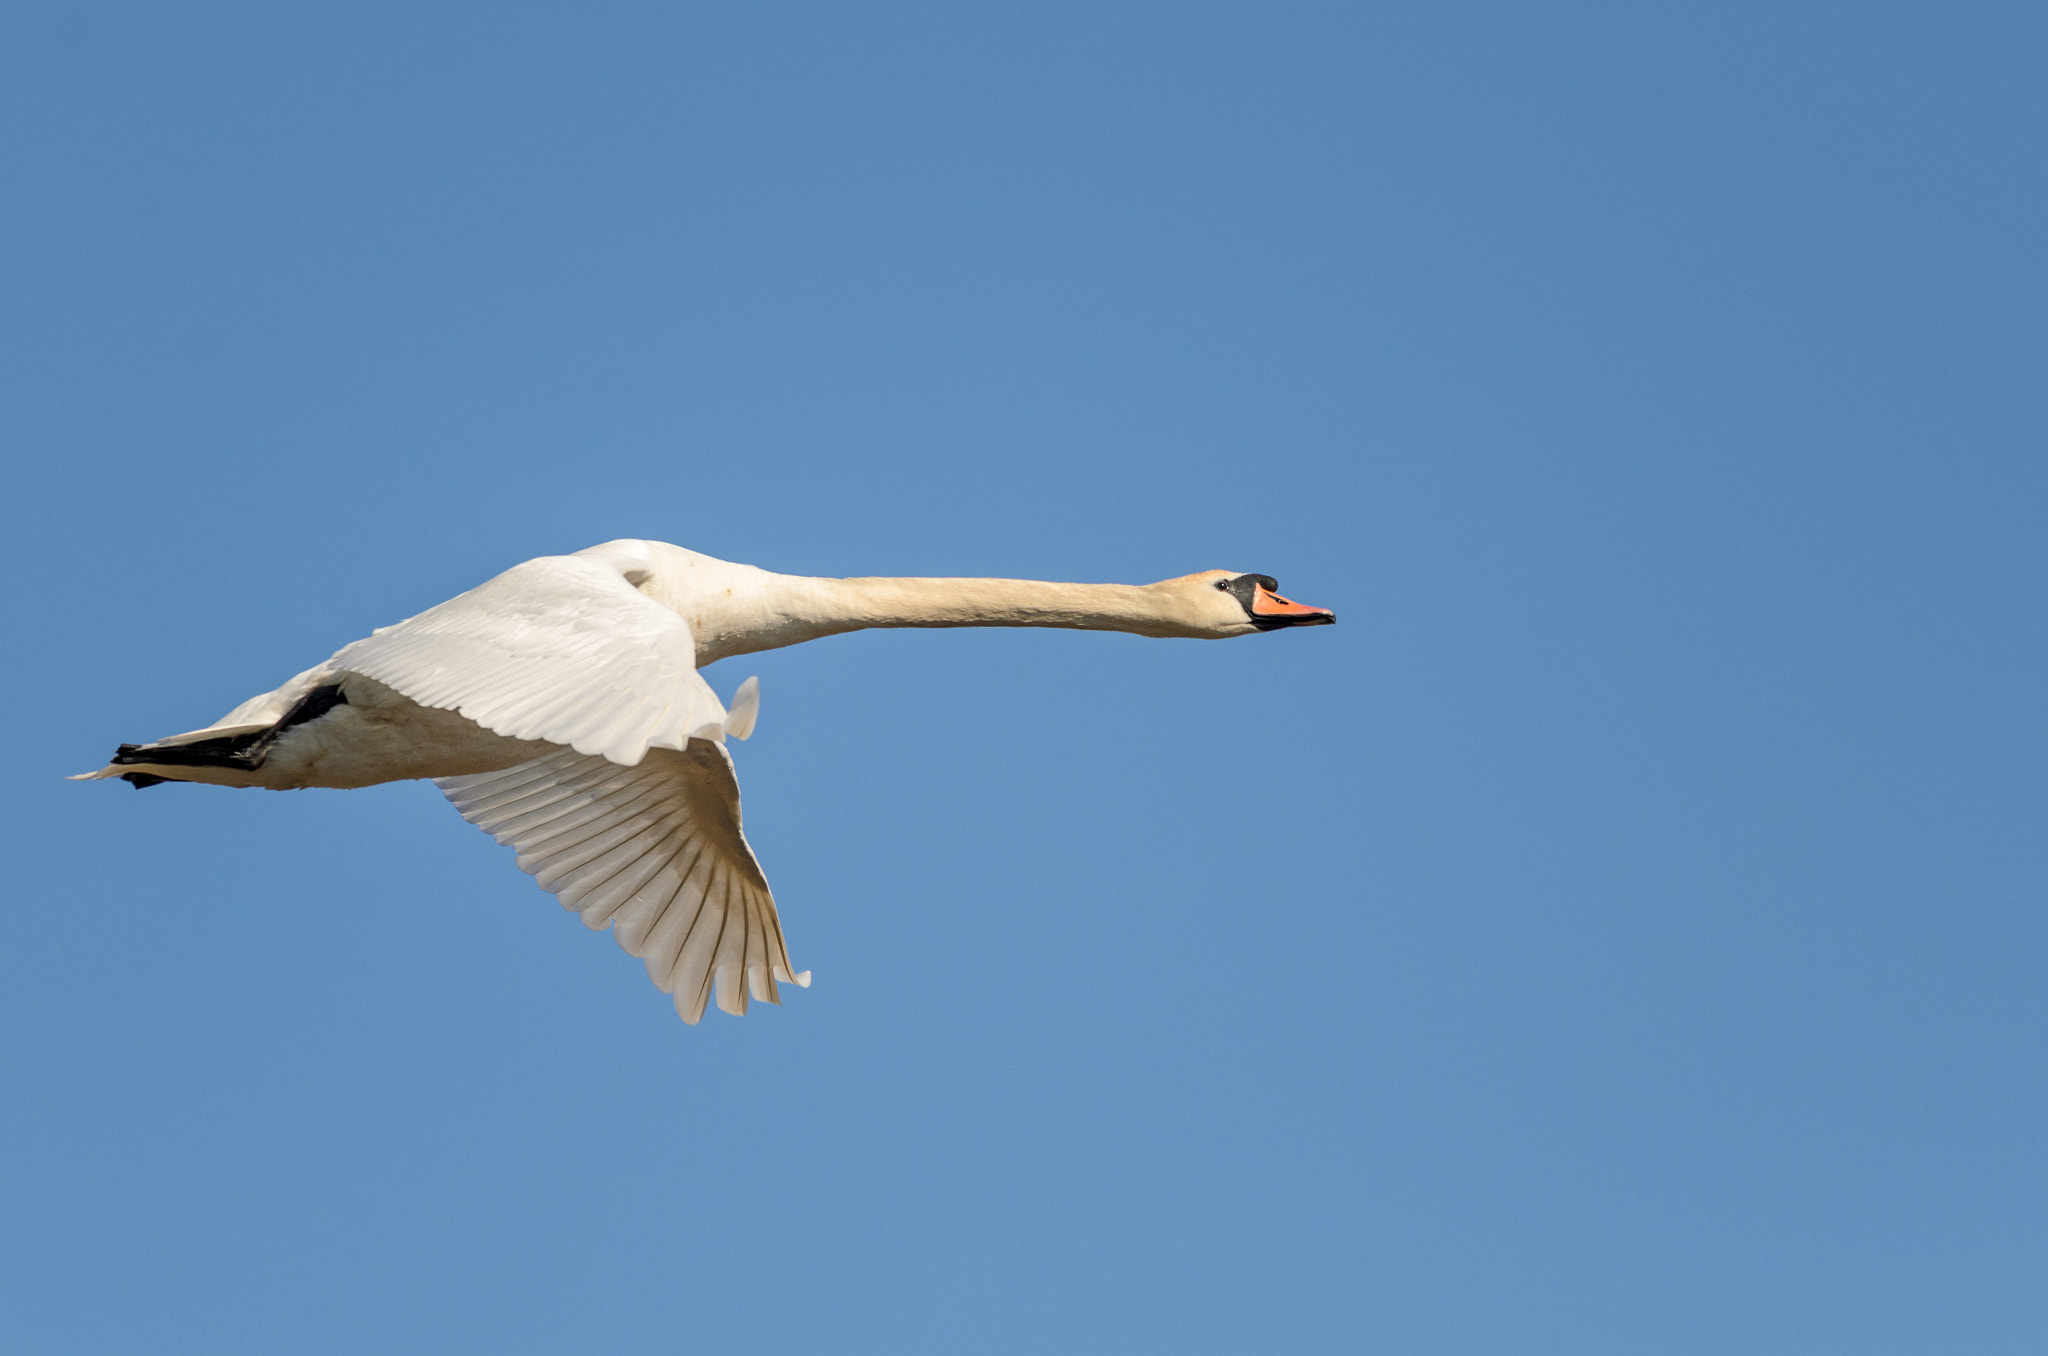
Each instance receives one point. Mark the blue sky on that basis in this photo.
(1622, 933)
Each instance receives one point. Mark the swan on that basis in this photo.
(561, 708)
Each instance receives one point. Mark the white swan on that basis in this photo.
(560, 708)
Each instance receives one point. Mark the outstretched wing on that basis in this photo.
(561, 649)
(655, 852)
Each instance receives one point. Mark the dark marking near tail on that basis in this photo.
(244, 751)
(314, 705)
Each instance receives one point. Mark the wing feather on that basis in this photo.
(608, 892)
(592, 860)
(699, 935)
(655, 852)
(560, 649)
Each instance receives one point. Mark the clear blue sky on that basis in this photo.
(1623, 933)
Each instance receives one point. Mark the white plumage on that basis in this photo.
(655, 852)
(560, 649)
(560, 707)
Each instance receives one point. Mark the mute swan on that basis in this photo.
(559, 706)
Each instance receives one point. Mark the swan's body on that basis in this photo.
(560, 707)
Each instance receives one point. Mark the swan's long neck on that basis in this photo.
(780, 610)
(738, 609)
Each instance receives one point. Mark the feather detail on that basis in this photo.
(652, 850)
(745, 709)
(560, 649)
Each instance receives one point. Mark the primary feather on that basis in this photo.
(655, 852)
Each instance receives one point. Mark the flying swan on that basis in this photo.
(560, 707)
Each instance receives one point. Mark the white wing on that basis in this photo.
(562, 649)
(653, 850)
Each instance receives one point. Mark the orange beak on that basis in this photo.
(1268, 605)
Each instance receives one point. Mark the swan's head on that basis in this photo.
(1221, 603)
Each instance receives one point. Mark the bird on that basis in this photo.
(561, 708)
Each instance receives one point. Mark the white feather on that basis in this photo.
(560, 649)
(745, 709)
(655, 852)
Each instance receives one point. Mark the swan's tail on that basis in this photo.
(239, 748)
(138, 780)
